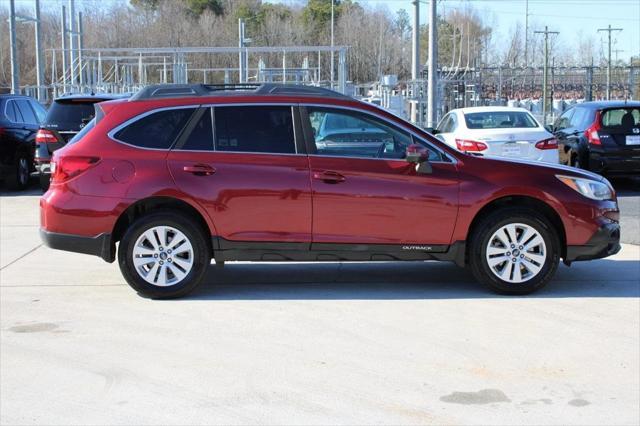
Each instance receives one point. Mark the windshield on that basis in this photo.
(499, 120)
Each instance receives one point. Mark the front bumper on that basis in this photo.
(99, 245)
(605, 242)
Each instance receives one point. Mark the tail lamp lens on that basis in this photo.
(470, 146)
(68, 167)
(45, 136)
(592, 132)
(550, 143)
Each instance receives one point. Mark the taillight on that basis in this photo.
(68, 167)
(45, 136)
(550, 143)
(469, 145)
(592, 135)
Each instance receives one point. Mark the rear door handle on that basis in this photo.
(329, 176)
(199, 170)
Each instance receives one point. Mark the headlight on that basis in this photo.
(593, 189)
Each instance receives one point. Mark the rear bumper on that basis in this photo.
(615, 164)
(99, 245)
(605, 242)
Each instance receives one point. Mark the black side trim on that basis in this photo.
(605, 242)
(100, 245)
(305, 252)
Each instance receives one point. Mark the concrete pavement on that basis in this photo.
(335, 343)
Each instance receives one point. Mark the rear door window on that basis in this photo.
(580, 119)
(27, 113)
(621, 118)
(201, 136)
(264, 129)
(157, 130)
(11, 112)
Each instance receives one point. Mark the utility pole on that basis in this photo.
(526, 34)
(15, 70)
(332, 42)
(545, 78)
(415, 42)
(609, 30)
(63, 26)
(72, 41)
(432, 84)
(39, 59)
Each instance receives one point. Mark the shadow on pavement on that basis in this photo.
(396, 280)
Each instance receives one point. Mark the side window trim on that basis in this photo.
(414, 137)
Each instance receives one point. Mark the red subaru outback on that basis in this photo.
(181, 174)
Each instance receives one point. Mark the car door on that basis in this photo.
(15, 135)
(371, 195)
(563, 133)
(252, 177)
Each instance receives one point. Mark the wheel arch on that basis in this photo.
(526, 202)
(155, 203)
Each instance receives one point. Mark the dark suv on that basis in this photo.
(66, 117)
(603, 137)
(20, 117)
(181, 174)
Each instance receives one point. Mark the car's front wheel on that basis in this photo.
(164, 255)
(514, 251)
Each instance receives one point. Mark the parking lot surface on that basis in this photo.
(334, 343)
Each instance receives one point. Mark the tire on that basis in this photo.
(170, 273)
(18, 179)
(534, 266)
(45, 181)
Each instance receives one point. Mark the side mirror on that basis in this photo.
(549, 128)
(431, 130)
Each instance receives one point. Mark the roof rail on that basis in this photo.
(157, 91)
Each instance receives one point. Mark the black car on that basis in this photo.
(603, 137)
(67, 115)
(20, 118)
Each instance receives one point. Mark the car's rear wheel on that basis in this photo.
(514, 251)
(19, 178)
(45, 181)
(164, 255)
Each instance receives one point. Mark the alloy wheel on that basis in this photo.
(163, 256)
(516, 253)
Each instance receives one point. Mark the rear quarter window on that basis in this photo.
(157, 130)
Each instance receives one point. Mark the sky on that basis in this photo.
(572, 18)
(569, 17)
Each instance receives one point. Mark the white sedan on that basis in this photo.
(498, 131)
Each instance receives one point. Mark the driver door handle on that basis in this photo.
(328, 176)
(199, 169)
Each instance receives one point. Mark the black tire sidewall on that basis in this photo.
(13, 180)
(488, 227)
(201, 253)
